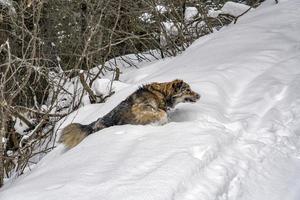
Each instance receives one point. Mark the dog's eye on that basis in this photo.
(188, 90)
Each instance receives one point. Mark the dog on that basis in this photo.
(149, 104)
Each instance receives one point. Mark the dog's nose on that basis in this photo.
(198, 96)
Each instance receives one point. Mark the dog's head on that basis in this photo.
(182, 92)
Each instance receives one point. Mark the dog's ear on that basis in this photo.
(177, 84)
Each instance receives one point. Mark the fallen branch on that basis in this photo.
(236, 18)
(92, 96)
(42, 113)
(20, 116)
(117, 74)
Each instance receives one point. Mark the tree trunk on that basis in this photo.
(83, 32)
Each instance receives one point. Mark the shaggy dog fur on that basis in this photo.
(149, 104)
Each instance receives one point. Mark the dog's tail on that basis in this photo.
(74, 133)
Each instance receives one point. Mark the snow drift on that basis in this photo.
(240, 141)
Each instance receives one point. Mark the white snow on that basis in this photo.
(230, 8)
(161, 9)
(20, 126)
(170, 28)
(234, 9)
(105, 86)
(239, 142)
(190, 13)
(146, 17)
(214, 13)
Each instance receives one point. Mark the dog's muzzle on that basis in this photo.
(193, 98)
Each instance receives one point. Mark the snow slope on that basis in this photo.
(239, 142)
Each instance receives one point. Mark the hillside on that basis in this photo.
(240, 141)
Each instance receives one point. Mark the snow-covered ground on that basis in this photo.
(239, 142)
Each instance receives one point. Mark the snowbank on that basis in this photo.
(105, 86)
(190, 13)
(240, 141)
(230, 8)
(234, 9)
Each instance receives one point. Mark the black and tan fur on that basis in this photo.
(149, 104)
